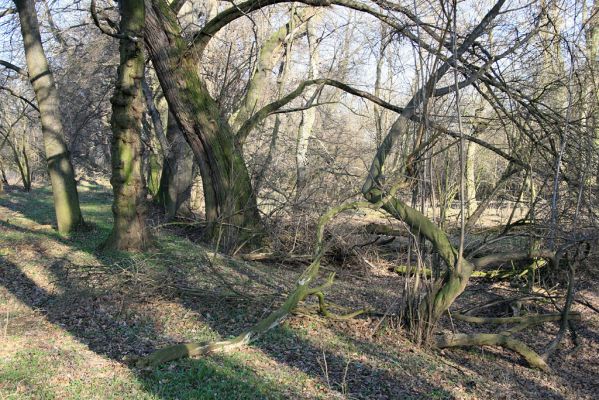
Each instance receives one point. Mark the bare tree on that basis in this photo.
(62, 176)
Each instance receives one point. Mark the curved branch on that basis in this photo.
(271, 108)
(17, 69)
(103, 29)
(201, 39)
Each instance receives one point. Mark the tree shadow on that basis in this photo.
(114, 338)
(100, 320)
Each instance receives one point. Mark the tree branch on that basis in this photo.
(12, 93)
(7, 11)
(17, 69)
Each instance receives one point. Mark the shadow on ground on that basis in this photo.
(101, 301)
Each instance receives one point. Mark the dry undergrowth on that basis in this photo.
(70, 318)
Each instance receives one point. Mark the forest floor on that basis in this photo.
(71, 317)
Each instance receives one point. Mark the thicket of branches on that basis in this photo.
(259, 117)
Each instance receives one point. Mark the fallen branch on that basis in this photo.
(277, 257)
(494, 274)
(301, 291)
(526, 319)
(384, 229)
(493, 339)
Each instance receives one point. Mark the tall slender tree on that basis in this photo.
(60, 168)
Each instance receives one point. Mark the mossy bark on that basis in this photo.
(492, 339)
(269, 56)
(231, 208)
(129, 232)
(60, 168)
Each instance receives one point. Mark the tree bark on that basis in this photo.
(308, 116)
(129, 232)
(471, 203)
(60, 168)
(231, 208)
(177, 171)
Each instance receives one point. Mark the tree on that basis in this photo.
(177, 171)
(451, 277)
(231, 209)
(60, 168)
(129, 231)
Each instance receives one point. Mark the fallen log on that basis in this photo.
(493, 339)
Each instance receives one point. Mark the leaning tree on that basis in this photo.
(462, 60)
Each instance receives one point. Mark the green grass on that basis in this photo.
(24, 375)
(68, 329)
(37, 372)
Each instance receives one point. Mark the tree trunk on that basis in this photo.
(308, 116)
(21, 162)
(471, 203)
(378, 110)
(447, 288)
(129, 232)
(592, 50)
(231, 209)
(60, 169)
(156, 138)
(177, 171)
(268, 57)
(3, 179)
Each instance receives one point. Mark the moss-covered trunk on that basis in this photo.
(453, 282)
(231, 209)
(60, 169)
(269, 56)
(129, 232)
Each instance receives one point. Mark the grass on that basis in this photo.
(77, 366)
(70, 316)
